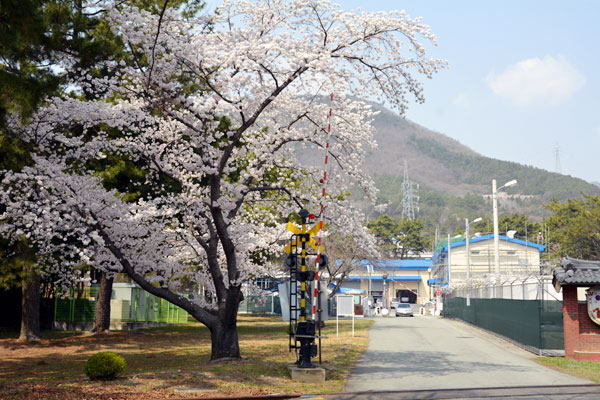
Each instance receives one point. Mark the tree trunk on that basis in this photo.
(30, 307)
(224, 334)
(225, 345)
(102, 323)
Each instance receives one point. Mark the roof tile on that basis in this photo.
(572, 271)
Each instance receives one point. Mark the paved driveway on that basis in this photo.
(436, 353)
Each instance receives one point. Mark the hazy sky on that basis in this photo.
(523, 78)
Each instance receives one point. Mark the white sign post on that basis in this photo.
(345, 307)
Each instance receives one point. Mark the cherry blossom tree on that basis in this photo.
(216, 108)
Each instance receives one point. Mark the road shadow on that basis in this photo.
(375, 364)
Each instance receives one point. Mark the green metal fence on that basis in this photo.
(536, 323)
(79, 307)
(138, 306)
(260, 305)
(145, 307)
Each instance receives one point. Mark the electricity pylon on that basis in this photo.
(410, 200)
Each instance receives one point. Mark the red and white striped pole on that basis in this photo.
(324, 186)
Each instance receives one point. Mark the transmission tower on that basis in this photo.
(410, 200)
(557, 167)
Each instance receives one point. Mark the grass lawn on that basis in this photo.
(581, 369)
(163, 360)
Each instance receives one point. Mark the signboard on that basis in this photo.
(593, 303)
(345, 305)
(438, 292)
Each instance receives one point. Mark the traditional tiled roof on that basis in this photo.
(577, 272)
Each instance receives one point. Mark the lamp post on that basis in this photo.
(384, 293)
(429, 282)
(496, 238)
(369, 290)
(467, 224)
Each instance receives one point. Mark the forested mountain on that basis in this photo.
(453, 179)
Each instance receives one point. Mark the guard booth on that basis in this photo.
(580, 284)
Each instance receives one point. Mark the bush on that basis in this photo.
(105, 365)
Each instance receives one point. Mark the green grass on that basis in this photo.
(165, 358)
(581, 369)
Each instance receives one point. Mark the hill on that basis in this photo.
(453, 179)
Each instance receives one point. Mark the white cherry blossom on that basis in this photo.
(228, 108)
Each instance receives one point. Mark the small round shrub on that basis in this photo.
(105, 365)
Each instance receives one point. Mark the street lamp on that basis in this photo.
(429, 282)
(369, 290)
(496, 238)
(384, 293)
(467, 224)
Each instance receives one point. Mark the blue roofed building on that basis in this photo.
(385, 280)
(517, 258)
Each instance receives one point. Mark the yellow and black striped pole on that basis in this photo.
(303, 271)
(305, 331)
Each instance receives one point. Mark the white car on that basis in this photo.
(404, 310)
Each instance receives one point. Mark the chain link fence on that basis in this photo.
(260, 305)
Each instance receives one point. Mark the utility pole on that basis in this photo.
(496, 238)
(467, 224)
(496, 234)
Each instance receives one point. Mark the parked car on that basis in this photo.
(394, 303)
(404, 310)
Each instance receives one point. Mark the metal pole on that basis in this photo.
(468, 263)
(468, 258)
(305, 329)
(384, 293)
(319, 316)
(303, 270)
(370, 270)
(429, 272)
(449, 272)
(337, 317)
(393, 284)
(496, 237)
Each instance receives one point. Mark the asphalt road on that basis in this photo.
(424, 353)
